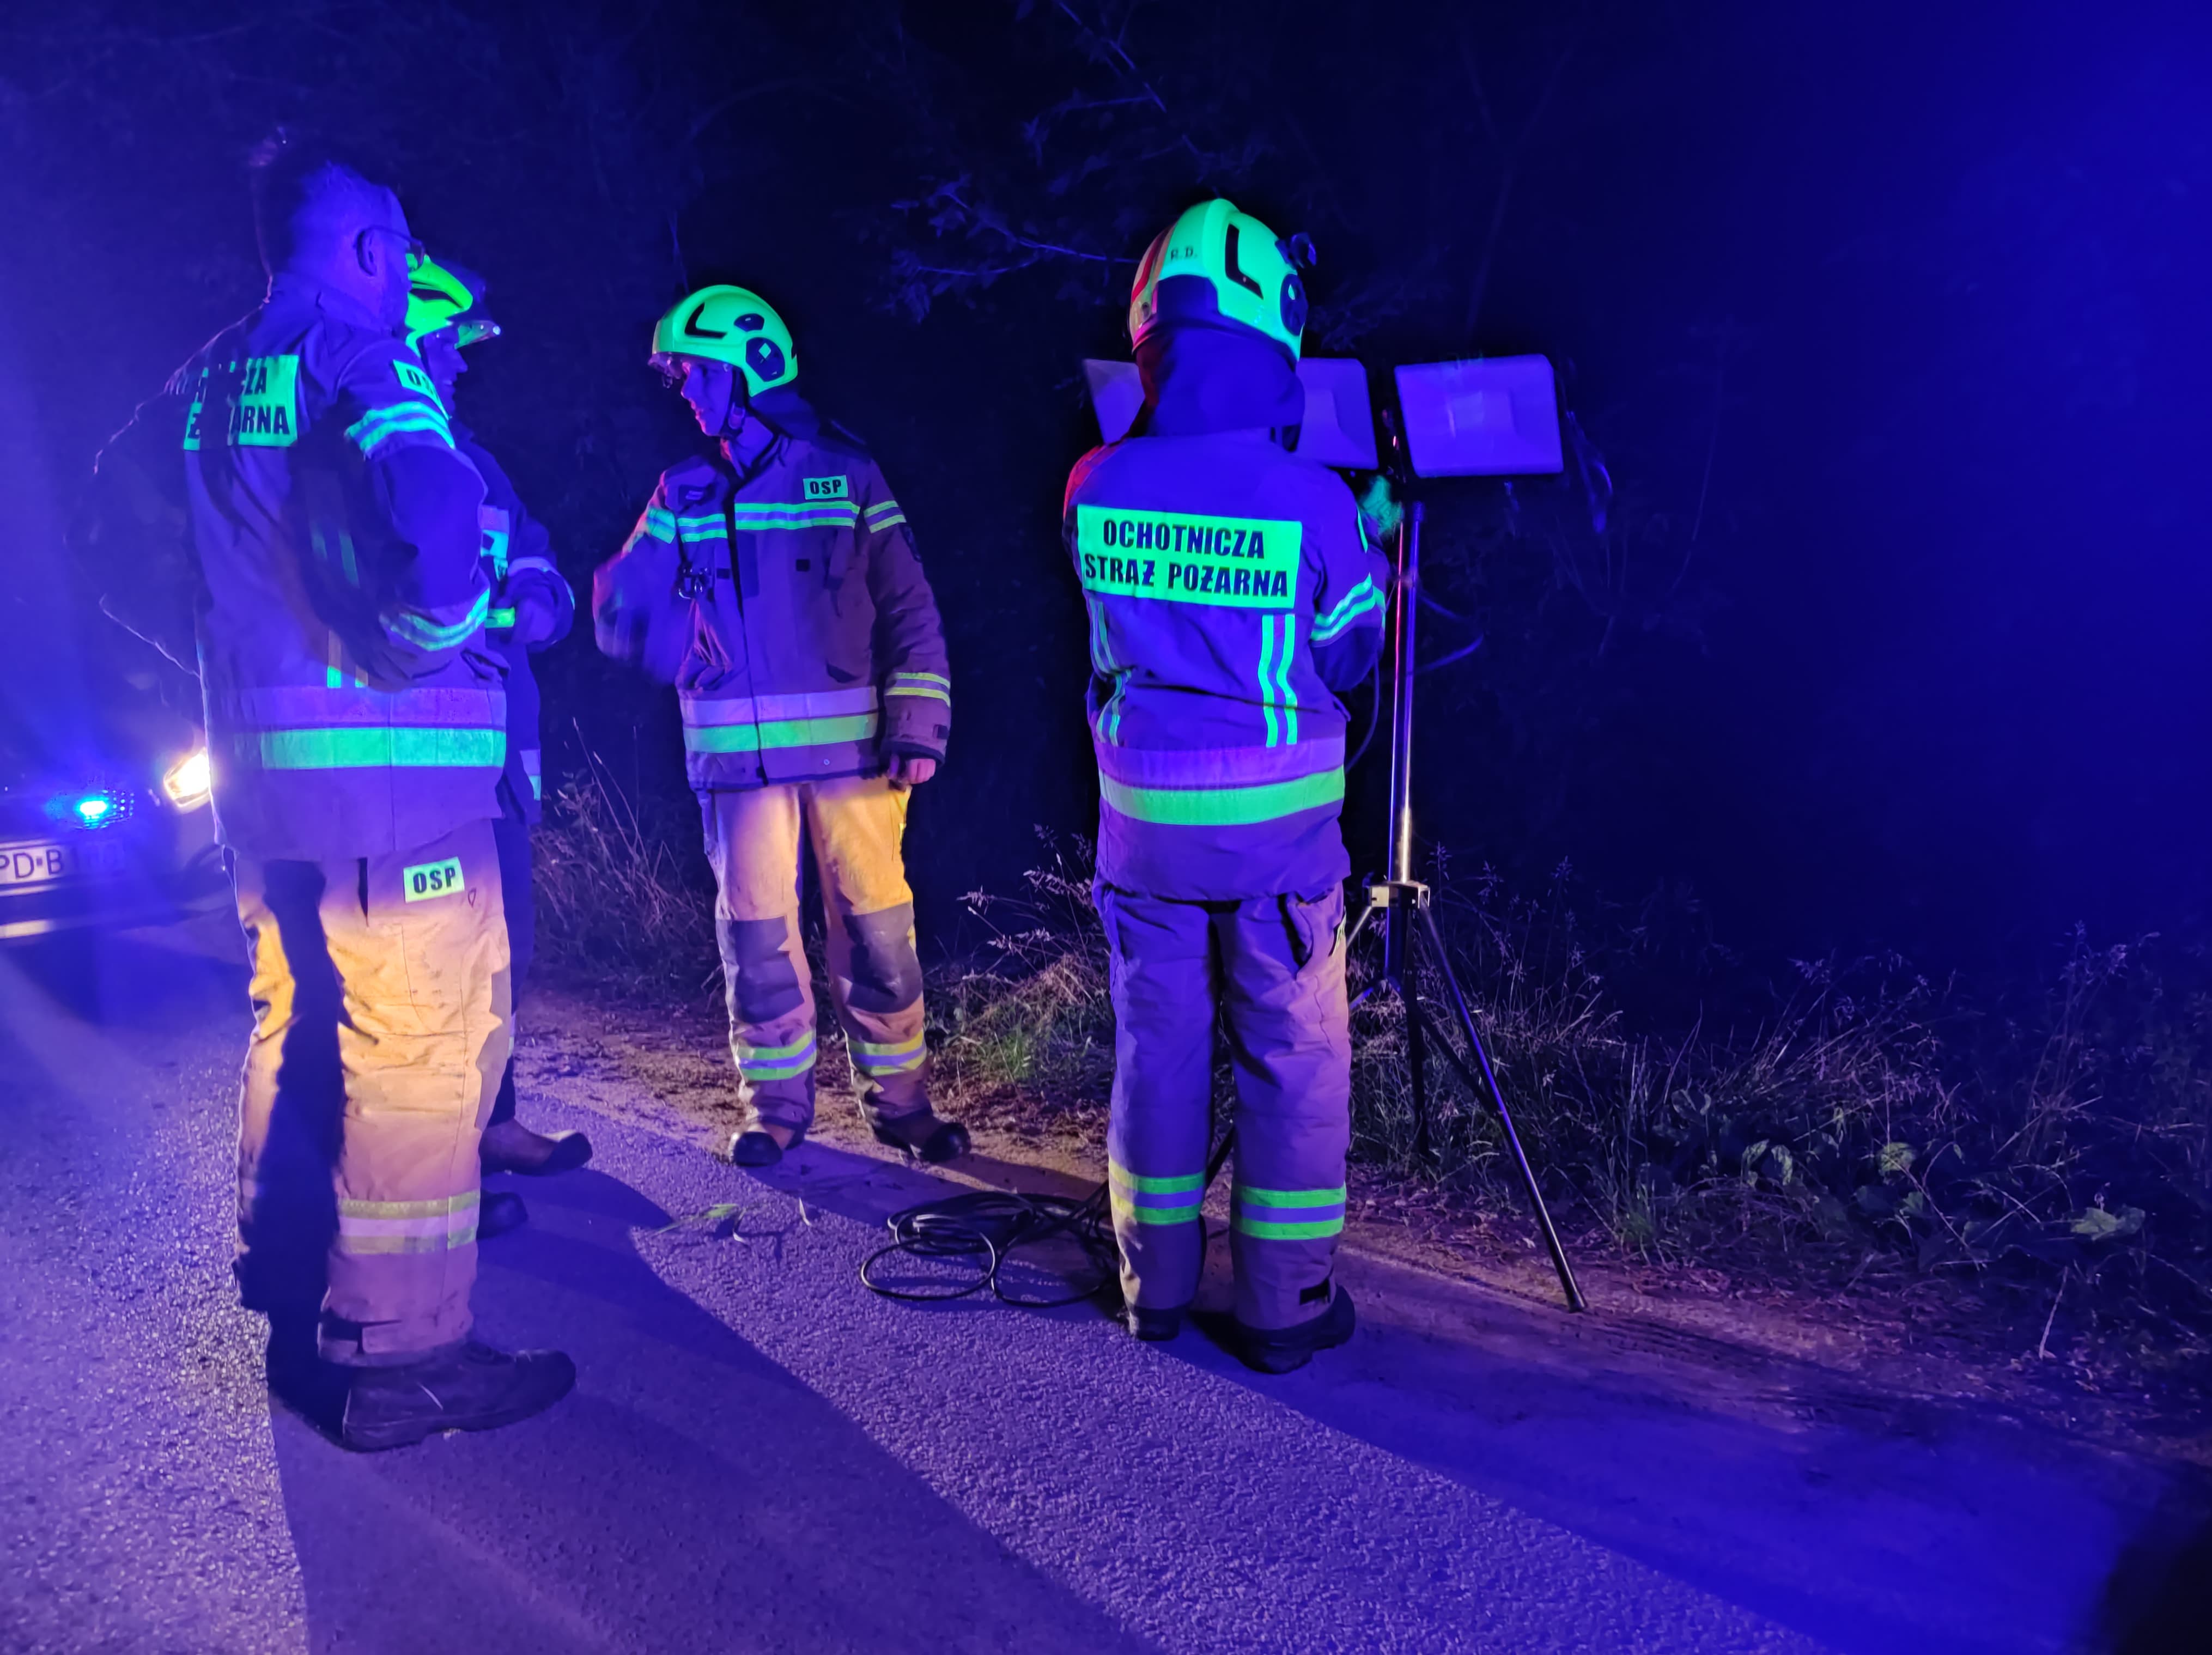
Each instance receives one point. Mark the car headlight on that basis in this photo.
(189, 781)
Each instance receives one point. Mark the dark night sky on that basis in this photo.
(1912, 298)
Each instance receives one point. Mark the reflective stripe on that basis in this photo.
(776, 1063)
(380, 425)
(893, 1058)
(369, 749)
(1252, 1196)
(884, 514)
(703, 528)
(655, 525)
(1122, 1179)
(1263, 1231)
(531, 759)
(1222, 806)
(1275, 678)
(417, 626)
(1218, 766)
(383, 1227)
(779, 733)
(921, 683)
(1290, 1215)
(753, 724)
(1142, 1200)
(500, 620)
(273, 707)
(1365, 598)
(749, 709)
(758, 517)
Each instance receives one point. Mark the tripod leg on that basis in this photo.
(1489, 1084)
(1417, 1071)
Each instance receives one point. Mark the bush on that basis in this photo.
(625, 897)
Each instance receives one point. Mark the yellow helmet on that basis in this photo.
(446, 295)
(1218, 267)
(729, 324)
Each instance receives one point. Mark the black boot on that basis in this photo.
(1279, 1350)
(764, 1144)
(923, 1136)
(464, 1387)
(508, 1146)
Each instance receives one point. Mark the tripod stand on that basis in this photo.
(1407, 923)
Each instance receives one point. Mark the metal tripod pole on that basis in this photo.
(1403, 902)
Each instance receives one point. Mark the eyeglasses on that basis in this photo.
(417, 254)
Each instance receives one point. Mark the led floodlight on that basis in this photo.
(1339, 428)
(1495, 416)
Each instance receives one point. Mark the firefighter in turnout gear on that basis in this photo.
(776, 586)
(1231, 593)
(532, 608)
(356, 726)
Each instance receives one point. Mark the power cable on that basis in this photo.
(989, 1225)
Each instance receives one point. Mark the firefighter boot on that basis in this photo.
(922, 1135)
(1281, 1350)
(765, 1143)
(508, 1146)
(465, 1386)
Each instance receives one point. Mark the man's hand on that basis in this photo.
(909, 770)
(533, 622)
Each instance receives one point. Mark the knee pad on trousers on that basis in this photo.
(886, 976)
(763, 983)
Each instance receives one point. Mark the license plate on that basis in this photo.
(48, 864)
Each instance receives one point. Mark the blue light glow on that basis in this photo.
(93, 809)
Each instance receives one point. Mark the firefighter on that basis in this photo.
(1231, 594)
(357, 729)
(531, 610)
(776, 586)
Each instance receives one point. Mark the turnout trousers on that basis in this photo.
(1270, 970)
(380, 1029)
(519, 896)
(755, 838)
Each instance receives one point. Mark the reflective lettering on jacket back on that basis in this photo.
(1249, 563)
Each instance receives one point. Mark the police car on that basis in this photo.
(105, 819)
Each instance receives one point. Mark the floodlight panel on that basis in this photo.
(1494, 416)
(1339, 424)
(1116, 393)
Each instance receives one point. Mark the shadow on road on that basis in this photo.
(690, 1493)
(1869, 1522)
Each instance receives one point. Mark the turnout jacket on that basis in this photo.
(1230, 592)
(781, 596)
(354, 705)
(517, 564)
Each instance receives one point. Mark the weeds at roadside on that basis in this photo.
(1859, 1123)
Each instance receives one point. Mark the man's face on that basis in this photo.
(710, 388)
(441, 354)
(384, 259)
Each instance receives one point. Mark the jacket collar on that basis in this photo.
(293, 288)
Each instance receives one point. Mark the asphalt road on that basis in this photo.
(761, 1455)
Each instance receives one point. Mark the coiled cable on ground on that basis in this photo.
(988, 1227)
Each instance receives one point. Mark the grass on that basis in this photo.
(2056, 1144)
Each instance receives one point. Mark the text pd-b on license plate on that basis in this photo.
(47, 864)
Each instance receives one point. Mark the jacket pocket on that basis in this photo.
(1314, 926)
